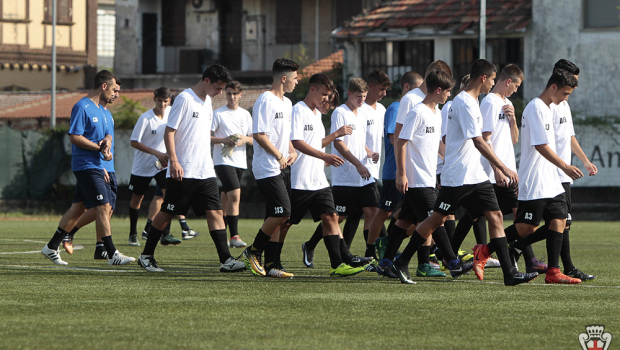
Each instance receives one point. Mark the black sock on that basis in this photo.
(233, 222)
(99, 246)
(511, 233)
(184, 226)
(480, 230)
(350, 227)
(414, 244)
(441, 239)
(167, 229)
(389, 228)
(279, 253)
(332, 243)
(383, 232)
(152, 241)
(370, 250)
(567, 262)
(260, 241)
(133, 221)
(316, 237)
(109, 246)
(450, 226)
(221, 244)
(397, 236)
(461, 231)
(147, 227)
(501, 248)
(554, 246)
(56, 238)
(366, 235)
(271, 254)
(225, 221)
(424, 254)
(345, 254)
(74, 231)
(528, 256)
(538, 235)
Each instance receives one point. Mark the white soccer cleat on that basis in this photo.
(232, 265)
(53, 255)
(149, 264)
(492, 262)
(236, 242)
(189, 234)
(120, 259)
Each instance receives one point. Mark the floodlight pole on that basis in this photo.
(483, 29)
(53, 114)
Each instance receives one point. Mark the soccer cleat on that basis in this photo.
(372, 267)
(381, 246)
(133, 240)
(519, 277)
(145, 235)
(67, 243)
(426, 270)
(358, 261)
(434, 265)
(189, 234)
(53, 255)
(148, 263)
(252, 262)
(236, 242)
(169, 239)
(120, 259)
(537, 266)
(481, 255)
(492, 262)
(576, 273)
(344, 270)
(277, 273)
(384, 268)
(402, 272)
(100, 254)
(458, 268)
(308, 254)
(464, 256)
(555, 276)
(232, 265)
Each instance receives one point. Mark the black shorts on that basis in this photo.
(390, 197)
(199, 194)
(349, 199)
(140, 184)
(158, 191)
(318, 202)
(476, 198)
(275, 190)
(569, 200)
(91, 188)
(229, 176)
(532, 212)
(112, 190)
(506, 198)
(418, 204)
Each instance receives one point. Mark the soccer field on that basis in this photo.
(89, 304)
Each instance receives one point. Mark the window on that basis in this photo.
(12, 10)
(64, 12)
(288, 21)
(106, 21)
(398, 57)
(601, 13)
(173, 23)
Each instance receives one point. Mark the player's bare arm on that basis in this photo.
(292, 154)
(230, 140)
(372, 155)
(576, 148)
(329, 159)
(500, 178)
(264, 142)
(343, 131)
(487, 152)
(401, 175)
(572, 171)
(176, 170)
(344, 150)
(162, 157)
(509, 112)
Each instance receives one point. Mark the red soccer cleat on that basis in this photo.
(554, 275)
(481, 255)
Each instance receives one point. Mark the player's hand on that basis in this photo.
(104, 146)
(176, 170)
(107, 155)
(501, 179)
(513, 178)
(283, 161)
(363, 171)
(573, 172)
(345, 130)
(106, 176)
(163, 158)
(509, 112)
(291, 158)
(230, 141)
(402, 183)
(374, 156)
(592, 169)
(332, 159)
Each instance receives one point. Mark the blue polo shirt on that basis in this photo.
(389, 122)
(108, 165)
(88, 120)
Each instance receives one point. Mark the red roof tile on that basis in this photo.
(323, 65)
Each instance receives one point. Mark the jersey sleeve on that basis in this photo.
(537, 125)
(444, 118)
(412, 123)
(216, 121)
(139, 128)
(338, 121)
(490, 111)
(178, 110)
(248, 123)
(78, 120)
(403, 108)
(261, 118)
(297, 125)
(389, 122)
(467, 120)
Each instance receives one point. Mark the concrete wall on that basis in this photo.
(128, 49)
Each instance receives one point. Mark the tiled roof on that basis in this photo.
(323, 65)
(433, 17)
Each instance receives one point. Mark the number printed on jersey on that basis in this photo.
(278, 210)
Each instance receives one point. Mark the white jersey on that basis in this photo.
(374, 134)
(407, 103)
(444, 122)
(422, 130)
(272, 116)
(538, 177)
(191, 117)
(494, 121)
(564, 132)
(347, 175)
(462, 165)
(149, 131)
(308, 173)
(228, 122)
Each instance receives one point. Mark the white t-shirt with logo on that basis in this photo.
(407, 103)
(272, 116)
(308, 173)
(191, 117)
(149, 131)
(462, 162)
(538, 177)
(422, 130)
(374, 134)
(564, 132)
(347, 175)
(228, 122)
(495, 121)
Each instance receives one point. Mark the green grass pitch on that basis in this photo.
(89, 304)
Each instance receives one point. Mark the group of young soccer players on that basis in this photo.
(469, 144)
